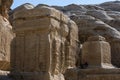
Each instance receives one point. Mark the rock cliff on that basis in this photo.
(6, 35)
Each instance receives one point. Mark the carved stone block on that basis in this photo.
(45, 43)
(96, 53)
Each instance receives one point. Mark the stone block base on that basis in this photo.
(92, 74)
(36, 76)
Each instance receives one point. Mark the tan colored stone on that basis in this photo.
(115, 49)
(24, 12)
(92, 74)
(4, 7)
(45, 45)
(89, 26)
(96, 59)
(73, 43)
(96, 53)
(6, 37)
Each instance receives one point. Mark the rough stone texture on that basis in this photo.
(92, 74)
(74, 7)
(6, 36)
(93, 7)
(96, 53)
(115, 49)
(102, 19)
(99, 14)
(114, 14)
(4, 75)
(89, 26)
(4, 7)
(45, 44)
(112, 5)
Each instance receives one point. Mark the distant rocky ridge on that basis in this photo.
(107, 6)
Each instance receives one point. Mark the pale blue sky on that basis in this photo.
(57, 2)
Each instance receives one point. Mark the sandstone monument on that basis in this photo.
(45, 43)
(96, 53)
(73, 42)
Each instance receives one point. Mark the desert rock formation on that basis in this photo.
(73, 42)
(5, 7)
(96, 61)
(45, 43)
(100, 19)
(6, 36)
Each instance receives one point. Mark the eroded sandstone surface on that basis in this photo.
(100, 19)
(45, 44)
(73, 42)
(6, 35)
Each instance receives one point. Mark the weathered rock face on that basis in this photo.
(99, 14)
(96, 53)
(71, 9)
(89, 25)
(45, 43)
(4, 7)
(92, 74)
(93, 7)
(112, 5)
(74, 7)
(6, 36)
(96, 58)
(114, 14)
(115, 50)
